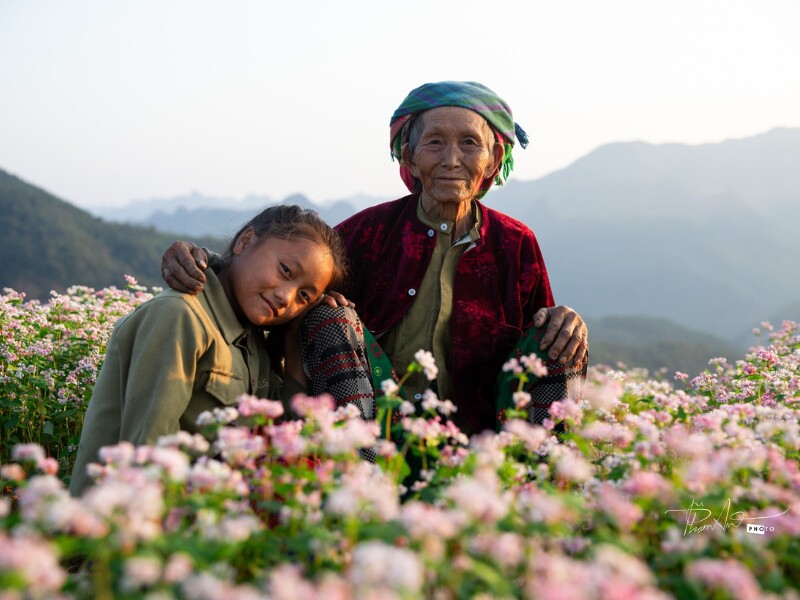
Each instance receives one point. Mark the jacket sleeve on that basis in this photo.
(145, 382)
(534, 278)
(161, 348)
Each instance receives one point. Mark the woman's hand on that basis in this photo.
(182, 267)
(567, 336)
(334, 299)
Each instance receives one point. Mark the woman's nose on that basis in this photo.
(452, 154)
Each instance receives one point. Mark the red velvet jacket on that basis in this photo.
(500, 282)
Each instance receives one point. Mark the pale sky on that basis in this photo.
(103, 102)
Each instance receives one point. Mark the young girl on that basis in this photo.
(178, 355)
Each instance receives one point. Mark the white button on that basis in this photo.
(417, 396)
(443, 226)
(430, 232)
(412, 292)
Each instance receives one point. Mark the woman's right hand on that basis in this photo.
(182, 267)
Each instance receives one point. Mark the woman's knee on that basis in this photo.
(325, 325)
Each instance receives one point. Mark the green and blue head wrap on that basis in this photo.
(463, 94)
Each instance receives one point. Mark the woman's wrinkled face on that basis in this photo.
(271, 281)
(455, 153)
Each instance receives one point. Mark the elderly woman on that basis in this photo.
(438, 270)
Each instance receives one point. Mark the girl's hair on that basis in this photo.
(289, 221)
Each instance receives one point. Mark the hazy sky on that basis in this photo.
(103, 102)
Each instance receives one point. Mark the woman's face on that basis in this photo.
(453, 155)
(272, 281)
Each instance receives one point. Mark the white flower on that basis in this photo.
(534, 365)
(521, 399)
(406, 408)
(429, 401)
(378, 565)
(428, 364)
(389, 387)
(140, 571)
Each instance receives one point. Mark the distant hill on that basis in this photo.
(139, 211)
(707, 236)
(198, 215)
(48, 244)
(655, 344)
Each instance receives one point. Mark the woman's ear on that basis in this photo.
(498, 151)
(246, 239)
(406, 157)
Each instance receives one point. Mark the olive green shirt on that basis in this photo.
(172, 358)
(427, 325)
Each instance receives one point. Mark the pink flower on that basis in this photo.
(28, 452)
(250, 405)
(480, 498)
(120, 455)
(34, 562)
(534, 365)
(614, 433)
(567, 410)
(48, 466)
(351, 435)
(12, 471)
(286, 439)
(178, 567)
(572, 467)
(602, 394)
(728, 575)
(309, 406)
(532, 436)
(648, 484)
(239, 446)
(624, 512)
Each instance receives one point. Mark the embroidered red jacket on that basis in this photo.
(500, 282)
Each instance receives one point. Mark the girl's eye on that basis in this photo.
(305, 296)
(287, 271)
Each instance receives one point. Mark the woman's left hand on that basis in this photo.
(566, 337)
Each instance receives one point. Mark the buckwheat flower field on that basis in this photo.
(685, 487)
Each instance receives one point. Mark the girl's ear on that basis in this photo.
(246, 239)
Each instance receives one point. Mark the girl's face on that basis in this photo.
(271, 281)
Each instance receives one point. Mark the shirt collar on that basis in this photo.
(227, 321)
(447, 226)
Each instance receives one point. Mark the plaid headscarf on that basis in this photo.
(463, 94)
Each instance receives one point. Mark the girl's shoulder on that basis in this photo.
(169, 309)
